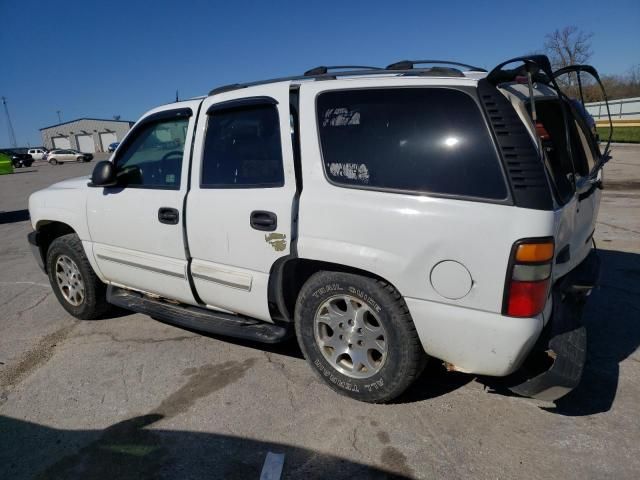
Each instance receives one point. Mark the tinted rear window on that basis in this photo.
(431, 140)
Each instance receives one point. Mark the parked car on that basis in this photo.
(112, 147)
(55, 157)
(383, 216)
(37, 153)
(18, 159)
(6, 165)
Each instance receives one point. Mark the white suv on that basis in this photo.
(37, 153)
(384, 216)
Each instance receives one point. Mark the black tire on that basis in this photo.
(405, 359)
(94, 303)
(53, 161)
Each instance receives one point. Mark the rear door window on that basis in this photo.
(584, 139)
(242, 148)
(420, 140)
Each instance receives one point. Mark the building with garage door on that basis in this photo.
(85, 134)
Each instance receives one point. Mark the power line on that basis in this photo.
(12, 134)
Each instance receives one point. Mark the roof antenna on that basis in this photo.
(177, 95)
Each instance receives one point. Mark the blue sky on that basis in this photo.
(99, 59)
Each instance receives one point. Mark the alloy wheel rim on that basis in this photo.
(350, 336)
(69, 280)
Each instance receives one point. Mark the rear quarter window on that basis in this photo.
(420, 140)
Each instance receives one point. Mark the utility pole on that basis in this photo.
(12, 134)
(59, 112)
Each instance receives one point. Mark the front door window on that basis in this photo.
(154, 158)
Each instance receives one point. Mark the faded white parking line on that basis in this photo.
(272, 468)
(44, 285)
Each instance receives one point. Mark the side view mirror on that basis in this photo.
(104, 175)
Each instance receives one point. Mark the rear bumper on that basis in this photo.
(491, 344)
(555, 365)
(34, 242)
(474, 341)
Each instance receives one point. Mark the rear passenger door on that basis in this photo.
(239, 208)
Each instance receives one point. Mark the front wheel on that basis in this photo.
(74, 282)
(53, 161)
(358, 336)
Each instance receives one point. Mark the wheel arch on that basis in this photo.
(288, 275)
(48, 231)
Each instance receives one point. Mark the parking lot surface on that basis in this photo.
(130, 397)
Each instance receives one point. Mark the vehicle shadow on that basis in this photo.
(135, 449)
(288, 347)
(611, 317)
(14, 216)
(433, 382)
(613, 333)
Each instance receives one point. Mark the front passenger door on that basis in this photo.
(137, 226)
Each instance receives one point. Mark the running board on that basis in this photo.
(197, 318)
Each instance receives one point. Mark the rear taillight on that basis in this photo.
(528, 278)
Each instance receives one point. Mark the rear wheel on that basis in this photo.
(358, 336)
(74, 282)
(53, 161)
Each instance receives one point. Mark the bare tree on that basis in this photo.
(568, 46)
(634, 75)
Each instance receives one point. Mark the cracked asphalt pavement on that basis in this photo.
(130, 397)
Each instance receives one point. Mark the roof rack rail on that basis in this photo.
(409, 64)
(226, 88)
(306, 76)
(316, 74)
(322, 70)
(432, 72)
